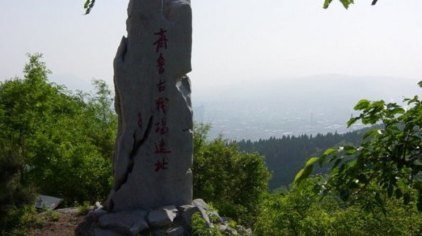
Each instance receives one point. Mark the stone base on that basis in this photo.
(167, 220)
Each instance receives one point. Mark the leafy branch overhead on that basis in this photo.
(89, 4)
(346, 3)
(388, 160)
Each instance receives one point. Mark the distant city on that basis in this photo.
(307, 105)
(319, 104)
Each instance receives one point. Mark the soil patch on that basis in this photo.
(62, 222)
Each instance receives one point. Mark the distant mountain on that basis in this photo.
(308, 105)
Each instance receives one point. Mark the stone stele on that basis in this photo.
(153, 158)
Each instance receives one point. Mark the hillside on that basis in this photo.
(285, 156)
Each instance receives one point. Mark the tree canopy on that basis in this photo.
(65, 140)
(389, 158)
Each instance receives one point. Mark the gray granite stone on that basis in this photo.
(162, 217)
(69, 210)
(203, 207)
(95, 214)
(187, 212)
(178, 231)
(105, 232)
(47, 202)
(125, 222)
(153, 158)
(200, 203)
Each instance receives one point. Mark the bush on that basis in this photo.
(64, 141)
(16, 197)
(233, 181)
(304, 211)
(389, 156)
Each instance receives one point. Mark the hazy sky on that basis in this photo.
(233, 40)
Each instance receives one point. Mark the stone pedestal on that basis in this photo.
(163, 221)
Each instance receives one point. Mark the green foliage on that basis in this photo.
(51, 216)
(231, 180)
(200, 227)
(84, 208)
(64, 141)
(303, 211)
(389, 159)
(15, 196)
(346, 3)
(285, 156)
(18, 219)
(307, 170)
(88, 5)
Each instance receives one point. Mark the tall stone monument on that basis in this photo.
(152, 187)
(153, 157)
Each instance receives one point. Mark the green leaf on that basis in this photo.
(378, 105)
(372, 119)
(89, 4)
(329, 152)
(346, 3)
(86, 4)
(372, 133)
(352, 164)
(395, 109)
(327, 3)
(306, 171)
(311, 161)
(349, 150)
(420, 84)
(362, 104)
(302, 174)
(352, 121)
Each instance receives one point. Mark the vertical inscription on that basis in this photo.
(161, 103)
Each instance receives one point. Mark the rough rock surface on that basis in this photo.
(175, 221)
(162, 217)
(125, 222)
(161, 221)
(153, 158)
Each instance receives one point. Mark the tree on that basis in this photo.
(234, 182)
(64, 140)
(285, 156)
(389, 158)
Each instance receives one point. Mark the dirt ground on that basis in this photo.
(58, 223)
